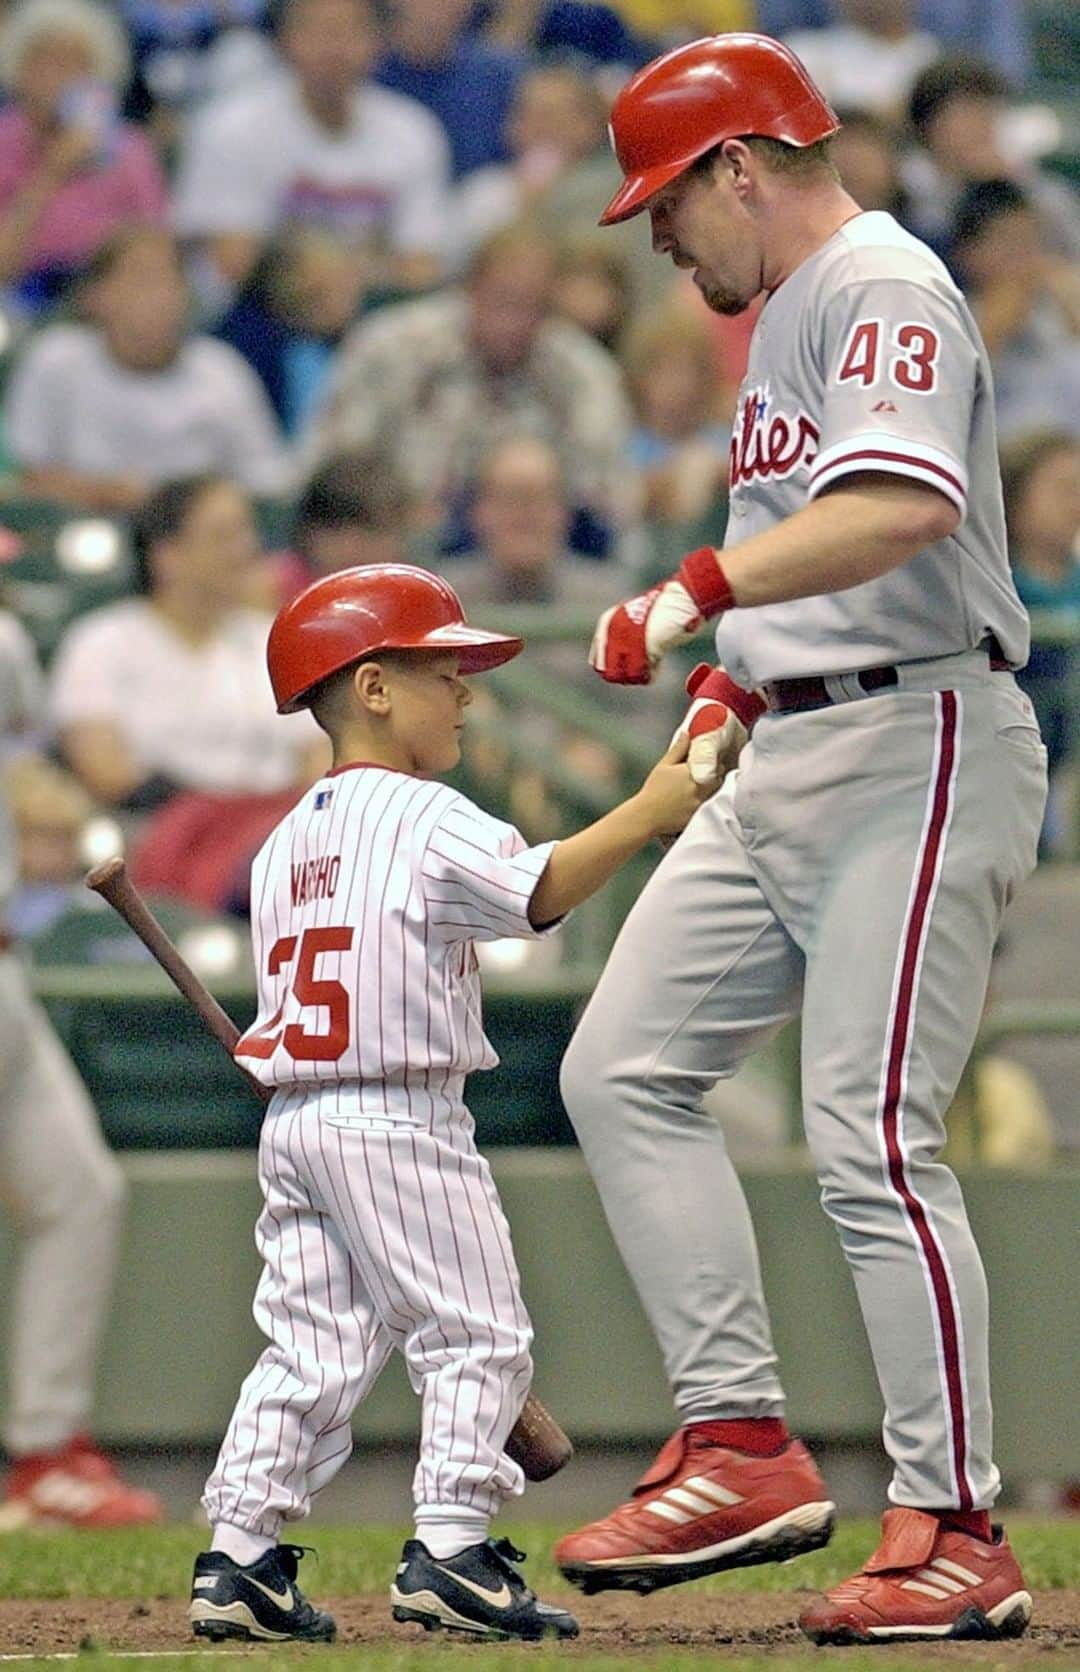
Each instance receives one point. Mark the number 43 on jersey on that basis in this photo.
(908, 356)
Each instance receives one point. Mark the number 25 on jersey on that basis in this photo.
(300, 954)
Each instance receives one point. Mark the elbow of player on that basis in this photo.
(930, 516)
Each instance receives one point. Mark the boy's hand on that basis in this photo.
(669, 796)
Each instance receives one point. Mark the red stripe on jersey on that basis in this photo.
(880, 455)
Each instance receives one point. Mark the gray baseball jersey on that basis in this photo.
(867, 358)
(848, 871)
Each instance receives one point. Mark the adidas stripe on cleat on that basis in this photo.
(926, 1581)
(702, 1508)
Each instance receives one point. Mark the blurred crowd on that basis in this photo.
(287, 285)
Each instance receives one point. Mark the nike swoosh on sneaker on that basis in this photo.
(284, 1599)
(502, 1598)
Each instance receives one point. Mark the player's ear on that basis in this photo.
(733, 157)
(371, 688)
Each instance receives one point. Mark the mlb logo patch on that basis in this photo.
(323, 800)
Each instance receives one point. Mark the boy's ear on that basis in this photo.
(372, 690)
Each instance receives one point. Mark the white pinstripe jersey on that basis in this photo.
(867, 358)
(366, 901)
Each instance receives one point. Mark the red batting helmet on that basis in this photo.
(357, 612)
(696, 96)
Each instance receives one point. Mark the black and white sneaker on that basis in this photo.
(261, 1601)
(478, 1592)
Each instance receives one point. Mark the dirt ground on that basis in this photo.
(617, 1625)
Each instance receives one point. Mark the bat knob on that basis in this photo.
(102, 875)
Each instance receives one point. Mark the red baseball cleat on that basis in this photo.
(925, 1579)
(73, 1487)
(702, 1508)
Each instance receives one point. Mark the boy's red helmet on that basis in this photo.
(356, 612)
(696, 96)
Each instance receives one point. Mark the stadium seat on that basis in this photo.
(69, 564)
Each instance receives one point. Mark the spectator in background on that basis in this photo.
(574, 28)
(168, 691)
(997, 30)
(1040, 476)
(522, 518)
(176, 46)
(71, 171)
(870, 56)
(65, 1193)
(956, 111)
(305, 291)
(435, 382)
(557, 122)
(679, 446)
(561, 167)
(866, 155)
(1026, 300)
(354, 511)
(321, 145)
(50, 811)
(100, 410)
(466, 82)
(592, 289)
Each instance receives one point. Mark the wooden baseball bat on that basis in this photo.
(536, 1442)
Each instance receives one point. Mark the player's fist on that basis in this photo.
(717, 723)
(632, 639)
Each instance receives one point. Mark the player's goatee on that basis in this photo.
(722, 301)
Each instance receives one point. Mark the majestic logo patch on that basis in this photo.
(765, 443)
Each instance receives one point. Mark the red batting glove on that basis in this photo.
(718, 721)
(632, 639)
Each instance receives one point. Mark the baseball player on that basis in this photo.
(854, 868)
(66, 1197)
(381, 1226)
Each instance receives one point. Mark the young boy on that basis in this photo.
(381, 1227)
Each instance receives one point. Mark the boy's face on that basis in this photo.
(427, 703)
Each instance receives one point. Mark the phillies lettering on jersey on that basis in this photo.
(366, 901)
(866, 359)
(767, 443)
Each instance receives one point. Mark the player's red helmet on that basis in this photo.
(696, 96)
(356, 612)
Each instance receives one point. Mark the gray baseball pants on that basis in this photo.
(856, 867)
(65, 1192)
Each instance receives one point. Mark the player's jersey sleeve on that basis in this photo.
(901, 367)
(479, 876)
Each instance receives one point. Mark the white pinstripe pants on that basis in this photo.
(375, 1235)
(856, 868)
